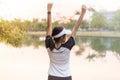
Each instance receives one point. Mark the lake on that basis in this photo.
(32, 62)
(99, 45)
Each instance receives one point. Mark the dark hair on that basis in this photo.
(52, 44)
(56, 30)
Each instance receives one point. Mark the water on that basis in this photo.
(99, 45)
(30, 63)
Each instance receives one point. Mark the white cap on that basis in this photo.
(64, 31)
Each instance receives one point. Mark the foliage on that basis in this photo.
(42, 25)
(11, 33)
(69, 25)
(116, 20)
(98, 20)
(84, 24)
(55, 23)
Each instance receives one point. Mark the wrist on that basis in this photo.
(49, 12)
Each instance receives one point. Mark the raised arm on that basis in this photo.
(49, 20)
(75, 28)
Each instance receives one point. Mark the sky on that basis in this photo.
(29, 9)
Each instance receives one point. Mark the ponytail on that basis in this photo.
(52, 45)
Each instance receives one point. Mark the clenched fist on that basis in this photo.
(49, 6)
(83, 9)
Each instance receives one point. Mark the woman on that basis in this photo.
(59, 47)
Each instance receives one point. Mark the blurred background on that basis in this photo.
(22, 33)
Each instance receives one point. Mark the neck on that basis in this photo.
(57, 45)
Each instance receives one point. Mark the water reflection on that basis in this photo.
(34, 40)
(101, 44)
(96, 46)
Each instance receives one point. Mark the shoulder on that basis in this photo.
(48, 37)
(70, 40)
(48, 41)
(70, 43)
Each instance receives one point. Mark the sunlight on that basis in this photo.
(28, 9)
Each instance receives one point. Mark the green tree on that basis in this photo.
(18, 23)
(84, 24)
(98, 21)
(27, 25)
(69, 25)
(116, 20)
(34, 25)
(43, 25)
(11, 33)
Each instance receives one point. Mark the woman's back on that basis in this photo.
(59, 58)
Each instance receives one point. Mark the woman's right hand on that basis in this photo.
(49, 6)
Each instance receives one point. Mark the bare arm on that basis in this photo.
(75, 29)
(49, 20)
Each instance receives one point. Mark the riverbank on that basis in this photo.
(29, 63)
(87, 33)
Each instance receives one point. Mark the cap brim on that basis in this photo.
(64, 31)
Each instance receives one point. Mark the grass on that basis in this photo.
(100, 34)
(37, 33)
(92, 33)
